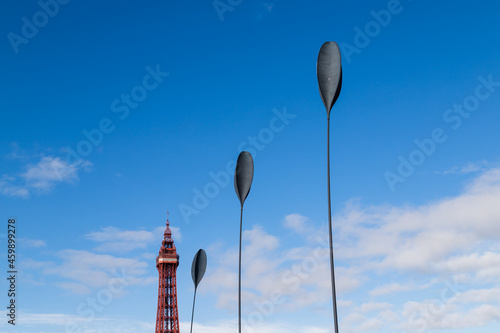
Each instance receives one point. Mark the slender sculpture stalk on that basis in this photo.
(239, 274)
(192, 315)
(334, 296)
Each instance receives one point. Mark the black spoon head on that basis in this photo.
(198, 267)
(329, 71)
(243, 176)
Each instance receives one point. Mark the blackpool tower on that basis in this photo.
(167, 315)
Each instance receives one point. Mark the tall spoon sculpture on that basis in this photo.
(197, 271)
(243, 177)
(329, 71)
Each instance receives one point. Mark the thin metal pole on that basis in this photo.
(192, 315)
(334, 297)
(239, 277)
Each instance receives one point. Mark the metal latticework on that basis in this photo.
(167, 316)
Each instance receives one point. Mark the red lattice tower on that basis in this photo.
(167, 315)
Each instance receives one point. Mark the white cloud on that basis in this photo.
(296, 222)
(391, 288)
(483, 296)
(464, 169)
(17, 153)
(427, 238)
(42, 177)
(357, 322)
(114, 239)
(112, 233)
(61, 322)
(56, 319)
(368, 307)
(436, 314)
(10, 190)
(254, 325)
(258, 241)
(82, 271)
(475, 262)
(32, 242)
(76, 288)
(50, 171)
(369, 325)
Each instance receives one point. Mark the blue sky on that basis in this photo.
(115, 112)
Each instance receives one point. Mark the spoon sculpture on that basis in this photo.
(243, 177)
(197, 271)
(329, 71)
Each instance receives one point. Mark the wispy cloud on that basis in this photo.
(465, 169)
(81, 271)
(113, 239)
(392, 288)
(263, 327)
(50, 171)
(296, 222)
(59, 322)
(31, 242)
(374, 306)
(42, 176)
(17, 153)
(7, 188)
(427, 315)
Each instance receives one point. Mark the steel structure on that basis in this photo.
(167, 314)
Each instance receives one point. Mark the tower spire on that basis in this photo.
(168, 233)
